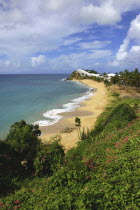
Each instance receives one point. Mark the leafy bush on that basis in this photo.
(49, 159)
(20, 146)
(10, 167)
(23, 139)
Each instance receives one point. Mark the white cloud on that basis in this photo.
(67, 63)
(7, 63)
(14, 16)
(10, 63)
(96, 54)
(30, 27)
(133, 58)
(126, 54)
(59, 5)
(104, 14)
(78, 60)
(71, 41)
(41, 59)
(134, 30)
(122, 52)
(125, 5)
(94, 44)
(135, 49)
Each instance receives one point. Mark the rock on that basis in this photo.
(91, 89)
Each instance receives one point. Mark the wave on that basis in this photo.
(64, 79)
(53, 116)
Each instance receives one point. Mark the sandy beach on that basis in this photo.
(87, 112)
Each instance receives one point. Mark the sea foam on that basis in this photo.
(54, 115)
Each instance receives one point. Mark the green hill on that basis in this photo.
(102, 172)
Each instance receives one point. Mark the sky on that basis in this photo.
(59, 36)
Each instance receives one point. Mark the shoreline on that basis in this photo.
(87, 112)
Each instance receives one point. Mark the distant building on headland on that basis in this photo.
(86, 73)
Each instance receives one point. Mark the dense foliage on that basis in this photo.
(49, 159)
(23, 138)
(17, 153)
(100, 173)
(123, 111)
(127, 78)
(76, 75)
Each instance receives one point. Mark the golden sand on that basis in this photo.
(88, 113)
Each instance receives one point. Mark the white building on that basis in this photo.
(85, 73)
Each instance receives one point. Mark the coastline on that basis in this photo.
(88, 112)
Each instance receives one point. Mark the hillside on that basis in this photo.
(100, 173)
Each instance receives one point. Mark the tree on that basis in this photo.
(23, 139)
(78, 124)
(115, 79)
(108, 84)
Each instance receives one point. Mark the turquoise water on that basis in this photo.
(36, 98)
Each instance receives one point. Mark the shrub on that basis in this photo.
(85, 134)
(49, 159)
(120, 115)
(10, 168)
(23, 140)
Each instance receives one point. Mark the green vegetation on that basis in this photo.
(17, 154)
(123, 111)
(76, 75)
(49, 159)
(92, 71)
(78, 125)
(124, 78)
(82, 135)
(23, 139)
(100, 173)
(131, 79)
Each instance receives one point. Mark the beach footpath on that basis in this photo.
(88, 112)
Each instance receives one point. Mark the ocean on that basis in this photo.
(37, 99)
